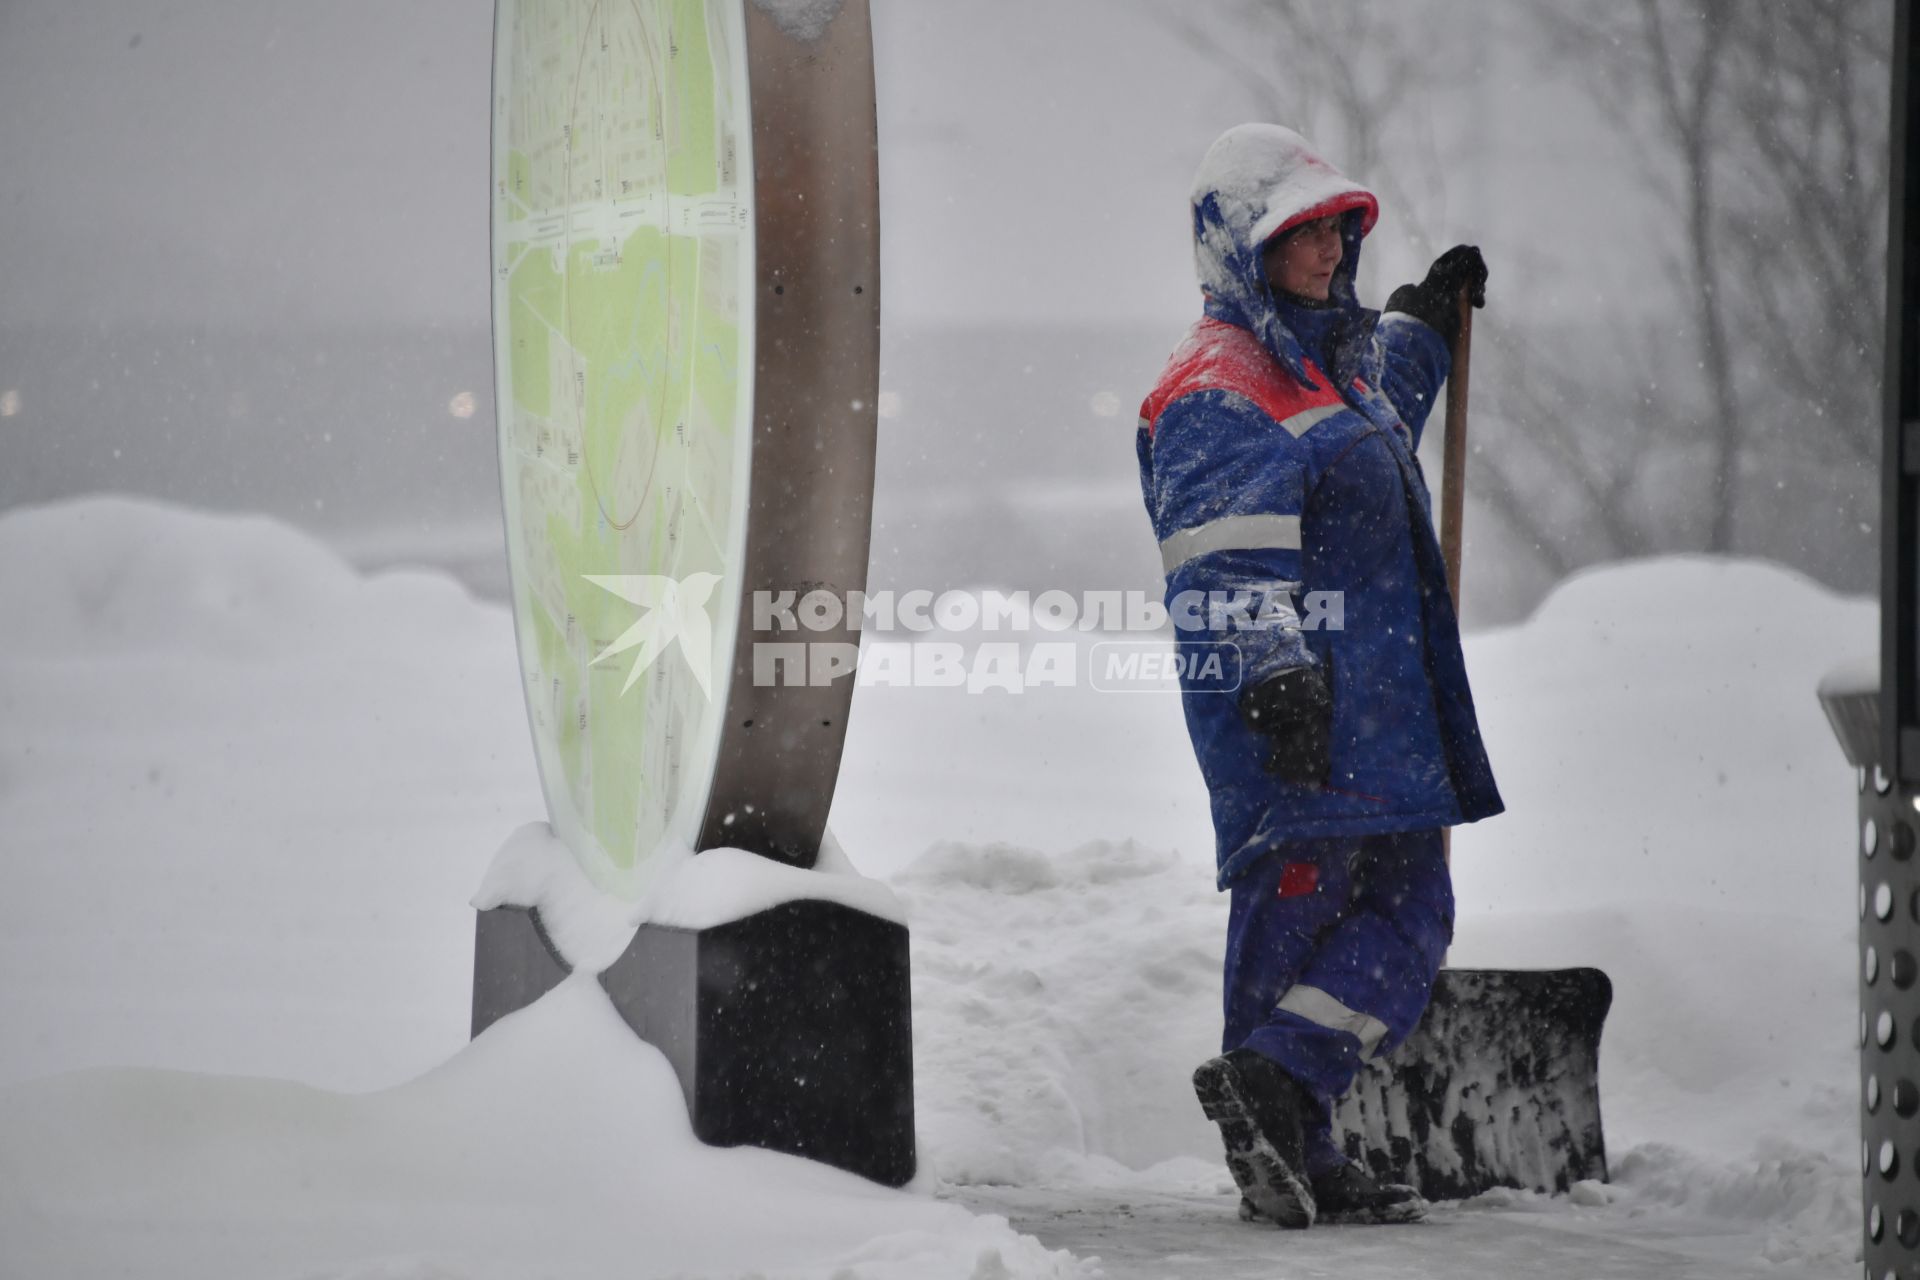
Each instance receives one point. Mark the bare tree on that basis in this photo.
(1762, 126)
(1770, 144)
(1807, 229)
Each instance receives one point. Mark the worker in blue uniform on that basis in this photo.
(1277, 463)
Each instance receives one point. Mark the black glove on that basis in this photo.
(1433, 300)
(1293, 712)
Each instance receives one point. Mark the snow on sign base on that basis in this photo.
(623, 252)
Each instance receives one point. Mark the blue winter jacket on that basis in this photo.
(1272, 477)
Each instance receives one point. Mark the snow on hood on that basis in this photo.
(1256, 181)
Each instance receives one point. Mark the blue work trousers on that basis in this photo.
(1332, 948)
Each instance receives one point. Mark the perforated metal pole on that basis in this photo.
(1885, 734)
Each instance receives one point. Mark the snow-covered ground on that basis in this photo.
(247, 792)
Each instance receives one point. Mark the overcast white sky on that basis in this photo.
(292, 162)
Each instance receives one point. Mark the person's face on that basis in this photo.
(1303, 262)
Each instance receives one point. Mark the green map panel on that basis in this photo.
(622, 290)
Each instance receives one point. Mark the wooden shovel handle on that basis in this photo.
(1453, 469)
(1453, 476)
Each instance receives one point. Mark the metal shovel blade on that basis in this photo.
(1497, 1087)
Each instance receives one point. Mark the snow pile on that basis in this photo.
(1658, 740)
(125, 575)
(291, 748)
(1060, 1006)
(534, 868)
(1806, 1205)
(246, 794)
(246, 788)
(722, 885)
(556, 1145)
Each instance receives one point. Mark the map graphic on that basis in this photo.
(622, 290)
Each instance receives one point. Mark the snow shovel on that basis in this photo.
(1499, 1084)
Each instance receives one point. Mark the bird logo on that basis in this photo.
(676, 609)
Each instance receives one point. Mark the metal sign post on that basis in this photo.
(686, 285)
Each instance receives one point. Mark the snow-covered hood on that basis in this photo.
(1256, 181)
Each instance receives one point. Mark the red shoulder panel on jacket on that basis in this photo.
(1217, 356)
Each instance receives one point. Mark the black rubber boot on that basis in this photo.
(1260, 1110)
(1349, 1196)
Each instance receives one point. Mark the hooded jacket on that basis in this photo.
(1295, 526)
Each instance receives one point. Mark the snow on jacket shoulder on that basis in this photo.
(1295, 526)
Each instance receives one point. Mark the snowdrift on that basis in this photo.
(554, 1146)
(247, 793)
